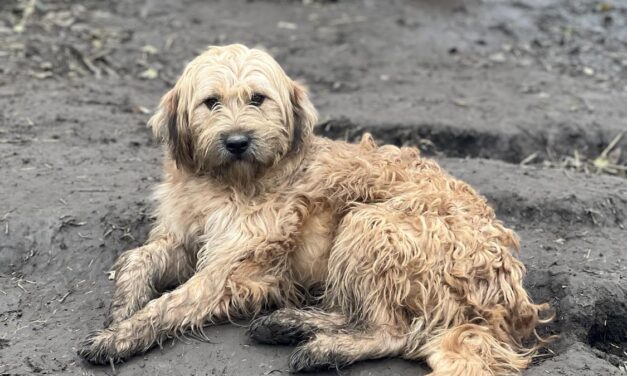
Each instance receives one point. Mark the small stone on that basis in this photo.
(149, 74)
(498, 57)
(150, 49)
(286, 25)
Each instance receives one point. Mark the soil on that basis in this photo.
(481, 85)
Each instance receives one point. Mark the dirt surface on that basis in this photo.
(481, 85)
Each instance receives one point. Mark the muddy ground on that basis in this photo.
(481, 85)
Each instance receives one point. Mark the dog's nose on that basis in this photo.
(237, 143)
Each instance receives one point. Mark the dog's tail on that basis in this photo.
(494, 343)
(470, 350)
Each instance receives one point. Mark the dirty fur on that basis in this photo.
(410, 262)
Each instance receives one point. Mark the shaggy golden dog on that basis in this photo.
(255, 213)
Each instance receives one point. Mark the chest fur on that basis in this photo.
(208, 220)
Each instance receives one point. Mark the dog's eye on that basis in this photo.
(211, 102)
(257, 99)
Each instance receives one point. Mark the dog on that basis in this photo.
(353, 251)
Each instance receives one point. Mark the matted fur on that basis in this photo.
(402, 259)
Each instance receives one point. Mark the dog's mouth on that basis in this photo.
(240, 166)
(236, 166)
(238, 171)
(223, 158)
(241, 158)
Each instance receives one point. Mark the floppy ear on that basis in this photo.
(305, 116)
(169, 125)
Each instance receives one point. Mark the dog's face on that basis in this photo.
(233, 114)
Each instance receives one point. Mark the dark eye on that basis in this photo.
(257, 99)
(211, 102)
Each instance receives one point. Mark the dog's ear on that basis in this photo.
(305, 115)
(169, 125)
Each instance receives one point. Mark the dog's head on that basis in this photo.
(233, 114)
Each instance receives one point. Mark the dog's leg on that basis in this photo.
(336, 350)
(471, 350)
(216, 293)
(239, 279)
(142, 272)
(368, 283)
(289, 326)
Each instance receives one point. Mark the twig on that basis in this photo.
(28, 11)
(22, 287)
(6, 215)
(65, 296)
(612, 144)
(528, 159)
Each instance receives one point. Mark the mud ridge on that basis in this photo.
(533, 194)
(553, 143)
(604, 211)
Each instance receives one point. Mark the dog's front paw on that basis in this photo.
(307, 358)
(99, 348)
(279, 329)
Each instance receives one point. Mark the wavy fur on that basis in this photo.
(400, 258)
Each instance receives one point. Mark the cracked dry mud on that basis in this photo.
(481, 85)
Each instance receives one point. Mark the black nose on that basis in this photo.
(237, 143)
